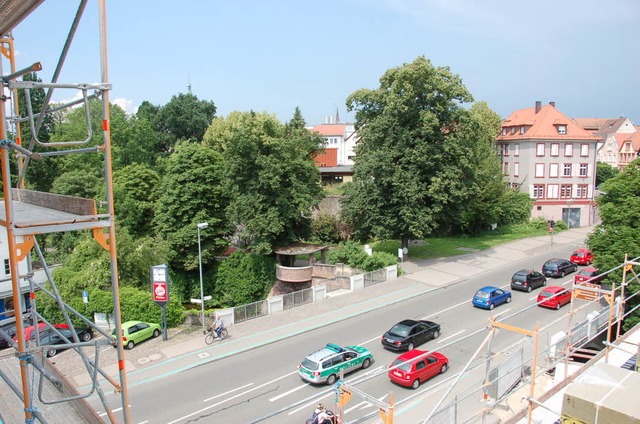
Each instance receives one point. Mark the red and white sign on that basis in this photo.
(160, 291)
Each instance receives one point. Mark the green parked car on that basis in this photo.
(324, 365)
(134, 332)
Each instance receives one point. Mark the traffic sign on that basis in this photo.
(582, 291)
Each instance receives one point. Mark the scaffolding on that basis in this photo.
(27, 214)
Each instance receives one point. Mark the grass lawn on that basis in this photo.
(451, 246)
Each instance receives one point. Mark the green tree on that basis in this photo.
(604, 172)
(191, 193)
(135, 193)
(269, 175)
(140, 144)
(617, 235)
(245, 278)
(406, 176)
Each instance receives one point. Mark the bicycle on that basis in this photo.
(211, 335)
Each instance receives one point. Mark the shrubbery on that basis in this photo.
(353, 254)
(244, 278)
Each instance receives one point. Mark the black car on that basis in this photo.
(558, 267)
(51, 338)
(527, 280)
(410, 333)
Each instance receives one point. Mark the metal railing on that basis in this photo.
(297, 298)
(250, 311)
(375, 277)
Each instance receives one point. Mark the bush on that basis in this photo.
(516, 208)
(245, 278)
(353, 254)
(325, 228)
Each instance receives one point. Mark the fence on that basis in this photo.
(375, 277)
(250, 311)
(298, 298)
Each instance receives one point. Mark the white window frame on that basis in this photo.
(562, 129)
(516, 169)
(584, 150)
(583, 167)
(554, 169)
(540, 149)
(555, 149)
(564, 169)
(568, 149)
(516, 149)
(539, 170)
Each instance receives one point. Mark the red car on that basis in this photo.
(587, 275)
(417, 366)
(29, 332)
(582, 257)
(554, 297)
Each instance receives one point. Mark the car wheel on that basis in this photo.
(436, 334)
(156, 333)
(331, 379)
(544, 282)
(528, 289)
(366, 363)
(557, 306)
(51, 353)
(509, 299)
(415, 384)
(410, 346)
(444, 368)
(562, 274)
(491, 306)
(575, 268)
(86, 337)
(130, 344)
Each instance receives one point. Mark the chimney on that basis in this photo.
(552, 104)
(538, 106)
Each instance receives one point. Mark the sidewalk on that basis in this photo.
(185, 348)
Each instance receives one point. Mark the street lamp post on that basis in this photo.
(201, 226)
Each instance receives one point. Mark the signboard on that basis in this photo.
(160, 284)
(582, 291)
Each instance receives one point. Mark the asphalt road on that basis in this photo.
(262, 385)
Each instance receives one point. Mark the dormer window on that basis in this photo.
(513, 130)
(523, 130)
(562, 129)
(504, 131)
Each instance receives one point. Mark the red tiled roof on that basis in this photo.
(634, 138)
(543, 125)
(329, 129)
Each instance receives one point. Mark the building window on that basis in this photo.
(555, 148)
(539, 170)
(540, 149)
(568, 149)
(581, 191)
(583, 170)
(514, 186)
(516, 149)
(504, 131)
(538, 191)
(505, 168)
(553, 170)
(523, 130)
(513, 130)
(552, 191)
(562, 129)
(584, 150)
(566, 170)
(516, 169)
(505, 149)
(565, 191)
(7, 267)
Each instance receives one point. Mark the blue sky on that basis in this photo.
(275, 55)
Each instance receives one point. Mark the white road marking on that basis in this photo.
(453, 335)
(502, 312)
(307, 405)
(363, 403)
(102, 414)
(273, 399)
(445, 310)
(534, 297)
(369, 341)
(230, 391)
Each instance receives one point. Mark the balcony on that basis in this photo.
(297, 274)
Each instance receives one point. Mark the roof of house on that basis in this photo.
(601, 125)
(543, 125)
(329, 129)
(634, 138)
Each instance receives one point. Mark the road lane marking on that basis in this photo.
(453, 335)
(369, 341)
(102, 414)
(230, 391)
(445, 310)
(275, 398)
(534, 297)
(363, 403)
(502, 312)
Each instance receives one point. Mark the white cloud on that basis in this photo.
(126, 105)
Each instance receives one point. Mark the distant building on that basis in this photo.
(336, 163)
(553, 159)
(619, 146)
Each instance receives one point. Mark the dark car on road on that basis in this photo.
(558, 267)
(410, 333)
(588, 274)
(527, 280)
(56, 342)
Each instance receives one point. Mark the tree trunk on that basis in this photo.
(405, 241)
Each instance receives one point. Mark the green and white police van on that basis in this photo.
(324, 365)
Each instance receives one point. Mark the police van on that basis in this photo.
(324, 365)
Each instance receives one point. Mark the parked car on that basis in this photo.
(554, 297)
(527, 280)
(134, 332)
(588, 275)
(489, 297)
(558, 267)
(57, 342)
(324, 365)
(29, 332)
(409, 333)
(417, 366)
(582, 257)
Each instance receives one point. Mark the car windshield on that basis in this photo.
(586, 273)
(547, 294)
(519, 277)
(552, 265)
(406, 366)
(482, 294)
(399, 330)
(309, 364)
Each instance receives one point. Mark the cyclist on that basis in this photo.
(217, 326)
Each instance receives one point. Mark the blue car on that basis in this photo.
(489, 297)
